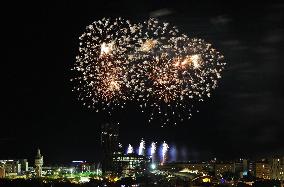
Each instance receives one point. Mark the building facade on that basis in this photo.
(2, 172)
(109, 144)
(221, 168)
(130, 165)
(24, 165)
(276, 169)
(11, 167)
(262, 170)
(38, 164)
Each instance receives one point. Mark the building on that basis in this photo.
(11, 167)
(241, 167)
(202, 167)
(262, 169)
(85, 167)
(245, 166)
(2, 171)
(276, 169)
(251, 168)
(109, 144)
(129, 165)
(24, 165)
(221, 168)
(38, 164)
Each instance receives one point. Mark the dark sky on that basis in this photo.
(244, 117)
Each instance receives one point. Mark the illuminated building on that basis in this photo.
(245, 166)
(201, 167)
(241, 167)
(11, 167)
(77, 165)
(24, 165)
(277, 169)
(130, 164)
(85, 167)
(221, 168)
(2, 171)
(38, 164)
(262, 169)
(110, 144)
(251, 168)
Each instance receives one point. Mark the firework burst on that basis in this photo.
(174, 71)
(179, 78)
(152, 64)
(102, 66)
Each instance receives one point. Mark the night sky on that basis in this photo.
(243, 118)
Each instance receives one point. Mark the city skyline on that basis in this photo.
(243, 117)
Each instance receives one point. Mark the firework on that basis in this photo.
(165, 148)
(141, 147)
(129, 149)
(171, 72)
(153, 37)
(179, 71)
(102, 66)
(153, 149)
(152, 64)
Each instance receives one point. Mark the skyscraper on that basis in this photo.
(38, 164)
(109, 143)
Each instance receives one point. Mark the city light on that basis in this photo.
(129, 149)
(153, 166)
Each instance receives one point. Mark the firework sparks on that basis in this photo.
(151, 63)
(141, 150)
(102, 64)
(186, 74)
(129, 149)
(106, 49)
(148, 45)
(165, 148)
(153, 149)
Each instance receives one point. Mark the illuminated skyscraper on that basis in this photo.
(38, 164)
(109, 143)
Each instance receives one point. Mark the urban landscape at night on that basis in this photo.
(142, 93)
(142, 168)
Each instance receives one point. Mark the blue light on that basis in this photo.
(153, 166)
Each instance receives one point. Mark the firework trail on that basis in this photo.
(129, 149)
(141, 150)
(153, 151)
(165, 148)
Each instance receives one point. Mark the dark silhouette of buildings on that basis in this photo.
(110, 144)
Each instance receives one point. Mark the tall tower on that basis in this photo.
(109, 143)
(38, 164)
